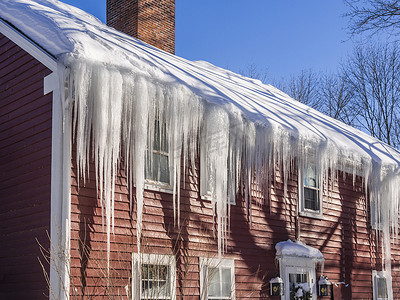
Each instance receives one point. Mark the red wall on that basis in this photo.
(25, 157)
(343, 235)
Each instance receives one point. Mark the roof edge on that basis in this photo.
(28, 45)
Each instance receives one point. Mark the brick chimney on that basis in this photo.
(152, 21)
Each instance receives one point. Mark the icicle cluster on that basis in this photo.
(117, 113)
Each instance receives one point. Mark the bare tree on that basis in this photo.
(373, 75)
(303, 87)
(373, 16)
(252, 71)
(336, 98)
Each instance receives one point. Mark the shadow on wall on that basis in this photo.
(256, 244)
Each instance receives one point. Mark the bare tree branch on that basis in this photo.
(373, 16)
(304, 88)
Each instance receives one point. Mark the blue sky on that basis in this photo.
(280, 37)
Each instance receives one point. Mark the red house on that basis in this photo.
(130, 173)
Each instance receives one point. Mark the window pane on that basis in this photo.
(381, 285)
(160, 137)
(157, 165)
(214, 282)
(226, 282)
(155, 281)
(159, 170)
(297, 278)
(164, 289)
(311, 199)
(310, 178)
(163, 272)
(145, 272)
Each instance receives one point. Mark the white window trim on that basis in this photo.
(302, 210)
(205, 263)
(145, 258)
(297, 264)
(375, 275)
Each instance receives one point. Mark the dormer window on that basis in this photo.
(310, 191)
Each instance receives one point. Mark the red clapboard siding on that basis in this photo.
(25, 172)
(343, 235)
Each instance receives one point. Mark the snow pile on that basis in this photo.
(303, 286)
(276, 280)
(297, 249)
(121, 92)
(323, 280)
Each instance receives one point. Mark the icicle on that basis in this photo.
(217, 139)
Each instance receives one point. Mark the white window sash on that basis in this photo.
(163, 134)
(301, 203)
(205, 264)
(152, 259)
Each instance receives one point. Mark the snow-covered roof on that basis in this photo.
(297, 249)
(69, 33)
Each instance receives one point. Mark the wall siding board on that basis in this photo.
(25, 161)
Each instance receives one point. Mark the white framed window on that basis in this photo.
(207, 174)
(217, 279)
(154, 276)
(296, 273)
(310, 191)
(157, 171)
(379, 285)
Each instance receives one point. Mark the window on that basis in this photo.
(310, 191)
(154, 276)
(379, 285)
(208, 173)
(217, 279)
(157, 156)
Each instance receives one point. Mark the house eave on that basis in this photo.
(28, 45)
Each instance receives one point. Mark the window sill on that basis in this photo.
(209, 198)
(206, 197)
(158, 187)
(377, 227)
(309, 214)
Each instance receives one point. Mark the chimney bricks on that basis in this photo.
(152, 21)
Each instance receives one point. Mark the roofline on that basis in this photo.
(28, 45)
